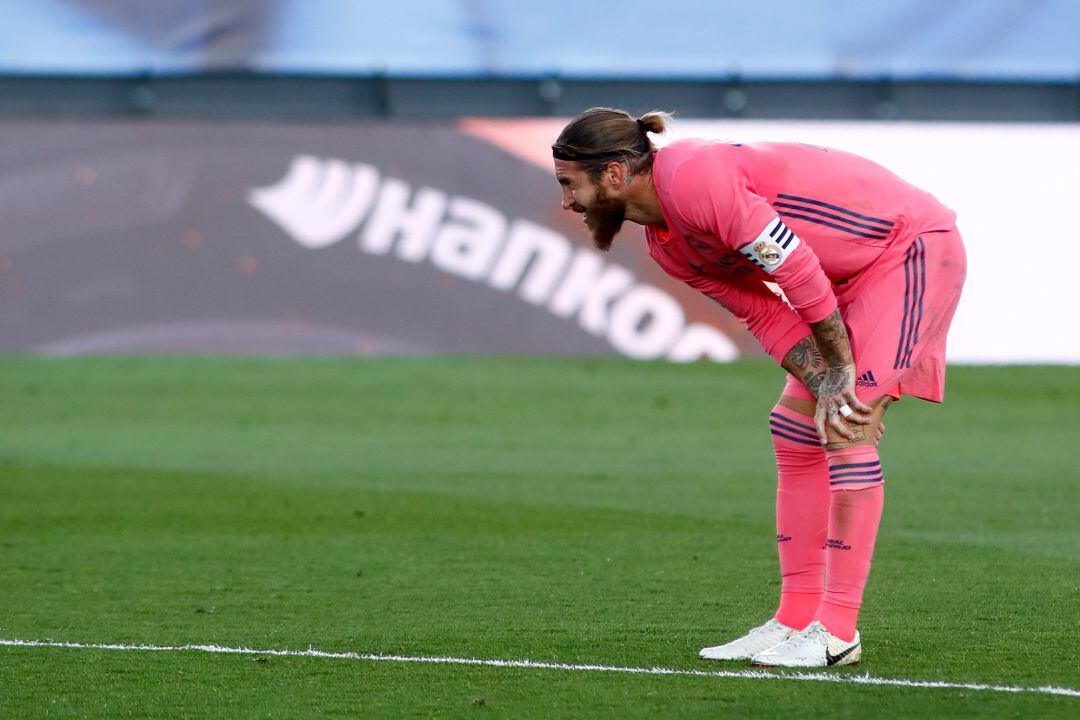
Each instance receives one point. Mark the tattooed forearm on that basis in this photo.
(805, 354)
(806, 363)
(834, 369)
(832, 340)
(837, 404)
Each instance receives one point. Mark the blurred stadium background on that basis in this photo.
(351, 177)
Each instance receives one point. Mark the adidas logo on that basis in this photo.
(866, 380)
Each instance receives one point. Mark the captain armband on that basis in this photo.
(772, 247)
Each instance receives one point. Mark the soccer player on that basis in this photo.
(871, 268)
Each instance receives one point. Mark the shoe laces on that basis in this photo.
(814, 634)
(767, 627)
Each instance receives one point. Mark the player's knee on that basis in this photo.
(862, 435)
(794, 437)
(854, 467)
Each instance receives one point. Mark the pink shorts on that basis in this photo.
(898, 314)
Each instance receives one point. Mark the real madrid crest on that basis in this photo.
(768, 254)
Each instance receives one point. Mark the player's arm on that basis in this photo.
(768, 318)
(796, 269)
(714, 198)
(837, 387)
(806, 363)
(818, 353)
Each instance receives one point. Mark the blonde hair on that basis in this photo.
(601, 135)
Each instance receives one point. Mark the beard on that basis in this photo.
(604, 219)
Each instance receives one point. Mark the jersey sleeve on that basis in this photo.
(795, 268)
(768, 318)
(715, 200)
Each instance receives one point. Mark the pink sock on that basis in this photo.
(856, 498)
(802, 515)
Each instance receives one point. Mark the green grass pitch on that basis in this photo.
(575, 511)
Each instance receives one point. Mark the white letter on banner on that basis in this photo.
(645, 322)
(318, 202)
(548, 252)
(590, 286)
(394, 217)
(703, 340)
(468, 247)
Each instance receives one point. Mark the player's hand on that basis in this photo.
(838, 407)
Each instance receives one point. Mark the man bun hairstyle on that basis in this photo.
(601, 135)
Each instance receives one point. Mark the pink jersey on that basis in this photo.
(812, 220)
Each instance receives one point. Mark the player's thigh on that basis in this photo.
(861, 434)
(864, 434)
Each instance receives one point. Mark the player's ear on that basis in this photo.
(616, 173)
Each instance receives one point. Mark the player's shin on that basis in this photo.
(857, 494)
(802, 515)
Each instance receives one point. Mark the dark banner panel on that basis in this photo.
(338, 239)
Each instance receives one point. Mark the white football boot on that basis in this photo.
(757, 640)
(813, 647)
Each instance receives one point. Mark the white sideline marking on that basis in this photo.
(740, 674)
